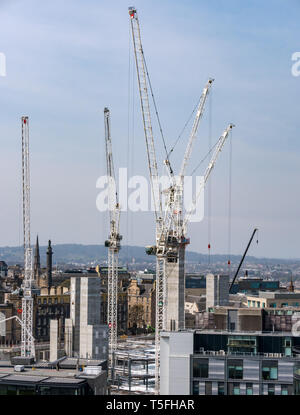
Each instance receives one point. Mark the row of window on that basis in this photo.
(54, 310)
(252, 303)
(49, 300)
(236, 389)
(235, 369)
(259, 304)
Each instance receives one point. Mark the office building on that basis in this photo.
(224, 363)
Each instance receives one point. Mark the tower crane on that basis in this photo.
(27, 340)
(171, 226)
(242, 260)
(113, 243)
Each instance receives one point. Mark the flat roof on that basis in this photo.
(64, 380)
(23, 378)
(231, 333)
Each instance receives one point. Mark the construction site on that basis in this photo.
(87, 354)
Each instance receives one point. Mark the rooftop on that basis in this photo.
(43, 374)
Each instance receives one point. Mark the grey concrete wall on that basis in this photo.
(53, 340)
(177, 350)
(69, 337)
(176, 291)
(217, 290)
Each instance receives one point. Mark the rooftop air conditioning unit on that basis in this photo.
(92, 370)
(19, 368)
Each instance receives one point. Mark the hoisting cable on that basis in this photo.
(229, 203)
(204, 158)
(209, 184)
(157, 115)
(128, 138)
(183, 130)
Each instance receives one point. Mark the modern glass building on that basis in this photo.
(226, 363)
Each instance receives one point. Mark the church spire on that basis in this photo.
(49, 264)
(37, 261)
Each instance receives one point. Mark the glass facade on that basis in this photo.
(235, 369)
(249, 388)
(270, 369)
(200, 368)
(242, 344)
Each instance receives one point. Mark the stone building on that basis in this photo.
(142, 295)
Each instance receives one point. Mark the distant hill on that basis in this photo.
(85, 254)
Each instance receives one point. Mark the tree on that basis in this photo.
(136, 316)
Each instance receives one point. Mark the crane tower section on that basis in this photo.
(27, 341)
(113, 243)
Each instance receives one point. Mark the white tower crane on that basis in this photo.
(27, 340)
(113, 243)
(171, 226)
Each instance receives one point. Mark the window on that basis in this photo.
(39, 301)
(195, 388)
(236, 389)
(270, 370)
(200, 368)
(235, 369)
(249, 303)
(258, 304)
(50, 301)
(273, 305)
(284, 304)
(220, 388)
(271, 389)
(284, 390)
(208, 388)
(249, 388)
(55, 300)
(263, 305)
(45, 301)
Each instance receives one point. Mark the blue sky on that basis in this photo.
(67, 60)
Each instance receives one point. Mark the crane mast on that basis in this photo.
(113, 243)
(160, 283)
(27, 341)
(146, 114)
